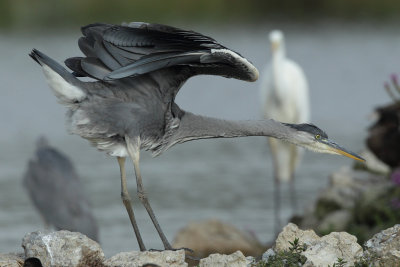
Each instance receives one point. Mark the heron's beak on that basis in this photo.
(335, 148)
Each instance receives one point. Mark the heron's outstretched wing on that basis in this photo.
(120, 51)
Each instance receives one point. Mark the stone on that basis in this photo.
(384, 247)
(328, 249)
(236, 259)
(63, 248)
(339, 203)
(268, 254)
(150, 258)
(337, 221)
(11, 260)
(213, 236)
(321, 251)
(372, 163)
(290, 232)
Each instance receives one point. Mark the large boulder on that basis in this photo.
(148, 258)
(321, 251)
(384, 247)
(347, 203)
(62, 249)
(236, 259)
(11, 260)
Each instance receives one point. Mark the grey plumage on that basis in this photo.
(138, 70)
(56, 191)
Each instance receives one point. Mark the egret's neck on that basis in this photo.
(278, 54)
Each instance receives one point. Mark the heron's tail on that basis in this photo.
(66, 87)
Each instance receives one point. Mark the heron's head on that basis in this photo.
(276, 39)
(315, 139)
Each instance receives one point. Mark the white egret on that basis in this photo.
(285, 98)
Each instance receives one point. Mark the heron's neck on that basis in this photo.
(193, 127)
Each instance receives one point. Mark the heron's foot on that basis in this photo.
(193, 258)
(173, 249)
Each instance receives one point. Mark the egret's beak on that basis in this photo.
(335, 148)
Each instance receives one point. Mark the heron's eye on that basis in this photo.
(318, 136)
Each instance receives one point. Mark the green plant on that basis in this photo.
(288, 258)
(339, 263)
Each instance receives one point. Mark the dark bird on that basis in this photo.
(138, 69)
(384, 135)
(56, 191)
(32, 262)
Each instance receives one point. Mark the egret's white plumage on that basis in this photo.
(284, 95)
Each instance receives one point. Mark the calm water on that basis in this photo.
(226, 179)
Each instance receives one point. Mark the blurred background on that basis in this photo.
(347, 49)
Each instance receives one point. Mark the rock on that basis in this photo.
(384, 247)
(138, 259)
(321, 251)
(340, 206)
(290, 232)
(268, 254)
(347, 186)
(337, 221)
(372, 163)
(63, 248)
(236, 259)
(213, 236)
(11, 260)
(332, 247)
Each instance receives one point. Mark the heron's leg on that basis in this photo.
(133, 150)
(277, 189)
(126, 199)
(277, 205)
(293, 161)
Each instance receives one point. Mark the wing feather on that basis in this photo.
(155, 62)
(129, 50)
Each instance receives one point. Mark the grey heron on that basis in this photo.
(56, 191)
(284, 93)
(138, 68)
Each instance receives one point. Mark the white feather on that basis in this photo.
(284, 96)
(63, 90)
(243, 60)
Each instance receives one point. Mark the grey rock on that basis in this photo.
(321, 251)
(384, 247)
(372, 163)
(330, 248)
(251, 261)
(138, 259)
(346, 188)
(290, 232)
(337, 220)
(236, 259)
(267, 254)
(11, 260)
(62, 249)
